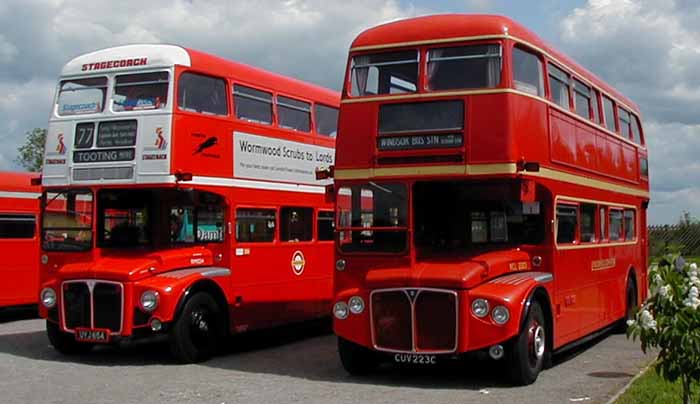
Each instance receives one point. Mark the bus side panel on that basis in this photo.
(20, 269)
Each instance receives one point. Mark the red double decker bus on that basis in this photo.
(179, 199)
(19, 239)
(491, 196)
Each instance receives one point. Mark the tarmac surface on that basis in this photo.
(297, 364)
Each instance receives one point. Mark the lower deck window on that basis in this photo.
(17, 226)
(567, 218)
(615, 223)
(296, 224)
(255, 225)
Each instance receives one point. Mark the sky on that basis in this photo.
(647, 49)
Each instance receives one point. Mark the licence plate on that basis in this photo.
(100, 336)
(415, 359)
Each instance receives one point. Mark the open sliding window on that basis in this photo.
(81, 96)
(636, 130)
(473, 66)
(630, 224)
(609, 112)
(142, 91)
(559, 86)
(252, 105)
(588, 221)
(384, 73)
(294, 114)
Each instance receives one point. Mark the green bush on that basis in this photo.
(670, 321)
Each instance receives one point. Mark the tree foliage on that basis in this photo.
(31, 153)
(670, 321)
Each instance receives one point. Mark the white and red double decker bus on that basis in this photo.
(19, 239)
(491, 196)
(179, 198)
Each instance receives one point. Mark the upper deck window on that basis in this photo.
(203, 94)
(140, 91)
(636, 130)
(384, 73)
(294, 114)
(475, 66)
(595, 108)
(326, 120)
(582, 99)
(559, 86)
(82, 96)
(609, 111)
(527, 72)
(252, 105)
(624, 117)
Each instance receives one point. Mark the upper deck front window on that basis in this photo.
(474, 66)
(82, 96)
(141, 91)
(385, 73)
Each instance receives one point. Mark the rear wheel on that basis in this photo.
(356, 359)
(529, 349)
(630, 306)
(195, 335)
(64, 342)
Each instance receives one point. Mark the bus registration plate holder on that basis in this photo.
(94, 335)
(415, 359)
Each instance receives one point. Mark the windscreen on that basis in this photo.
(385, 73)
(143, 91)
(81, 96)
(373, 217)
(67, 220)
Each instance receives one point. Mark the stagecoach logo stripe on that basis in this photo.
(19, 195)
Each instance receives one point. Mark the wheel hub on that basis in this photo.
(537, 340)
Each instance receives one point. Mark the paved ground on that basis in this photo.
(290, 365)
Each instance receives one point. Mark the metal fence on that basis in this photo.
(682, 237)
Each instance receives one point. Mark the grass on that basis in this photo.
(651, 388)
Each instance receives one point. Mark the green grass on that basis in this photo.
(651, 388)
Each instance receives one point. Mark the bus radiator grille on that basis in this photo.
(98, 305)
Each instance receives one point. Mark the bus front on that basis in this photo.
(441, 241)
(114, 216)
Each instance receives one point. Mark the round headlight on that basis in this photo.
(500, 315)
(340, 265)
(480, 307)
(149, 300)
(356, 304)
(48, 297)
(340, 311)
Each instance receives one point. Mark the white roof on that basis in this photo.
(123, 57)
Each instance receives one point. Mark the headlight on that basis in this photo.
(480, 307)
(356, 304)
(500, 315)
(48, 297)
(340, 311)
(340, 265)
(149, 300)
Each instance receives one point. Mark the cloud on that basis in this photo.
(650, 50)
(306, 39)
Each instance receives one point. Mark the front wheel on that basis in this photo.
(195, 335)
(528, 352)
(64, 342)
(357, 360)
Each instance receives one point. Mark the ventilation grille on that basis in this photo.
(103, 173)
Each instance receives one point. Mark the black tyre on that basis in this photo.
(630, 306)
(528, 352)
(356, 359)
(196, 333)
(64, 342)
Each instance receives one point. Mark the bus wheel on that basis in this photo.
(528, 350)
(357, 360)
(64, 342)
(630, 306)
(194, 336)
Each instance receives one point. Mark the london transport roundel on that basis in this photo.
(298, 262)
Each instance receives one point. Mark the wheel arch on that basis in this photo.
(214, 290)
(540, 295)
